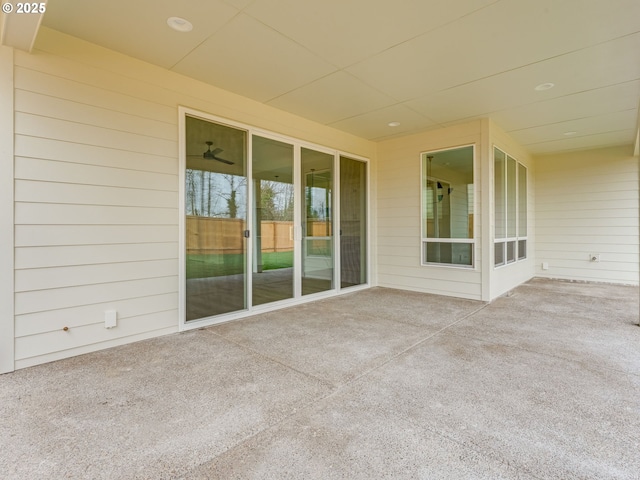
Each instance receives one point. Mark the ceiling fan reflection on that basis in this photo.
(213, 154)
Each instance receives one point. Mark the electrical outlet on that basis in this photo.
(545, 265)
(110, 318)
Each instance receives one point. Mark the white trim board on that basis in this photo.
(7, 320)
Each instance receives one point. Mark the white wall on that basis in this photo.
(399, 236)
(587, 202)
(96, 192)
(6, 211)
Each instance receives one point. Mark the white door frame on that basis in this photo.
(298, 298)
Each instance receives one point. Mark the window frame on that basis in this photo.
(507, 241)
(424, 240)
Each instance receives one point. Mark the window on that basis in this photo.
(447, 207)
(510, 196)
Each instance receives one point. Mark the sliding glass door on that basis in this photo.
(216, 215)
(273, 221)
(260, 219)
(317, 221)
(353, 222)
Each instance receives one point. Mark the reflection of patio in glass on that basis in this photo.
(212, 295)
(217, 265)
(240, 225)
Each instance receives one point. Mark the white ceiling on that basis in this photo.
(357, 65)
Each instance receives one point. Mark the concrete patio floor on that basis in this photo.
(541, 384)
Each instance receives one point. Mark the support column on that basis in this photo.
(486, 207)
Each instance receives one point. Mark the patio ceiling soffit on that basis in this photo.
(19, 30)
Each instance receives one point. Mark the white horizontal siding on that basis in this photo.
(64, 214)
(578, 209)
(28, 191)
(608, 267)
(87, 65)
(64, 172)
(96, 210)
(66, 235)
(65, 297)
(87, 134)
(606, 274)
(396, 243)
(92, 333)
(555, 248)
(78, 275)
(586, 231)
(65, 109)
(96, 191)
(68, 255)
(394, 265)
(616, 216)
(398, 215)
(393, 193)
(397, 228)
(593, 196)
(470, 290)
(87, 334)
(587, 203)
(592, 237)
(111, 157)
(73, 81)
(392, 212)
(78, 315)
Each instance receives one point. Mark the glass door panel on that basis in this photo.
(273, 198)
(317, 222)
(216, 213)
(353, 222)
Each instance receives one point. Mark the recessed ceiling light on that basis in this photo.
(568, 134)
(544, 86)
(394, 124)
(179, 24)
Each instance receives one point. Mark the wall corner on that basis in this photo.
(7, 316)
(486, 172)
